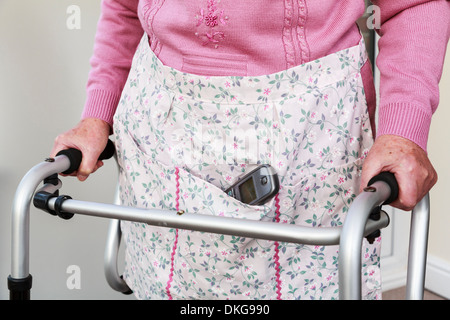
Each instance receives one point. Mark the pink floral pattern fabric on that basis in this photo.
(183, 138)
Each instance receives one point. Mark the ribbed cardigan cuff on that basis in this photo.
(101, 104)
(405, 120)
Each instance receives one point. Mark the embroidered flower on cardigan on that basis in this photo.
(207, 20)
(211, 20)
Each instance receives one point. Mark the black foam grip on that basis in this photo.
(108, 152)
(75, 156)
(388, 178)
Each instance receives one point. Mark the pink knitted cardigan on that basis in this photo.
(256, 37)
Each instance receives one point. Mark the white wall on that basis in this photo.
(439, 152)
(43, 72)
(438, 276)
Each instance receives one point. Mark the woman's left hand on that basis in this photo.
(407, 161)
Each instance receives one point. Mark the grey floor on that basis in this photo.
(399, 294)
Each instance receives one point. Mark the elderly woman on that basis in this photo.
(198, 93)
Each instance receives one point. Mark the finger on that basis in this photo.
(407, 197)
(80, 175)
(61, 143)
(371, 168)
(98, 166)
(88, 165)
(412, 188)
(367, 174)
(57, 147)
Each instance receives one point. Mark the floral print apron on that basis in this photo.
(183, 138)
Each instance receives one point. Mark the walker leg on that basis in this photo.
(112, 248)
(417, 257)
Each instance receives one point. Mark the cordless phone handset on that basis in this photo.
(256, 187)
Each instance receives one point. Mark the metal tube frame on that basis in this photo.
(418, 243)
(356, 226)
(20, 223)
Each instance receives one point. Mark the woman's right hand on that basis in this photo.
(90, 136)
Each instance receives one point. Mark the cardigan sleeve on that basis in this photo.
(412, 45)
(118, 34)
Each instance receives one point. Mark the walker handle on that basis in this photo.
(390, 179)
(75, 156)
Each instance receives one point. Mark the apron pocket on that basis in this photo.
(321, 199)
(207, 265)
(198, 195)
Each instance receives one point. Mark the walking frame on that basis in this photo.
(364, 219)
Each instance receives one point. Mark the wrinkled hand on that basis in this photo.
(408, 162)
(90, 136)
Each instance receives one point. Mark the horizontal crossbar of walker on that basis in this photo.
(216, 224)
